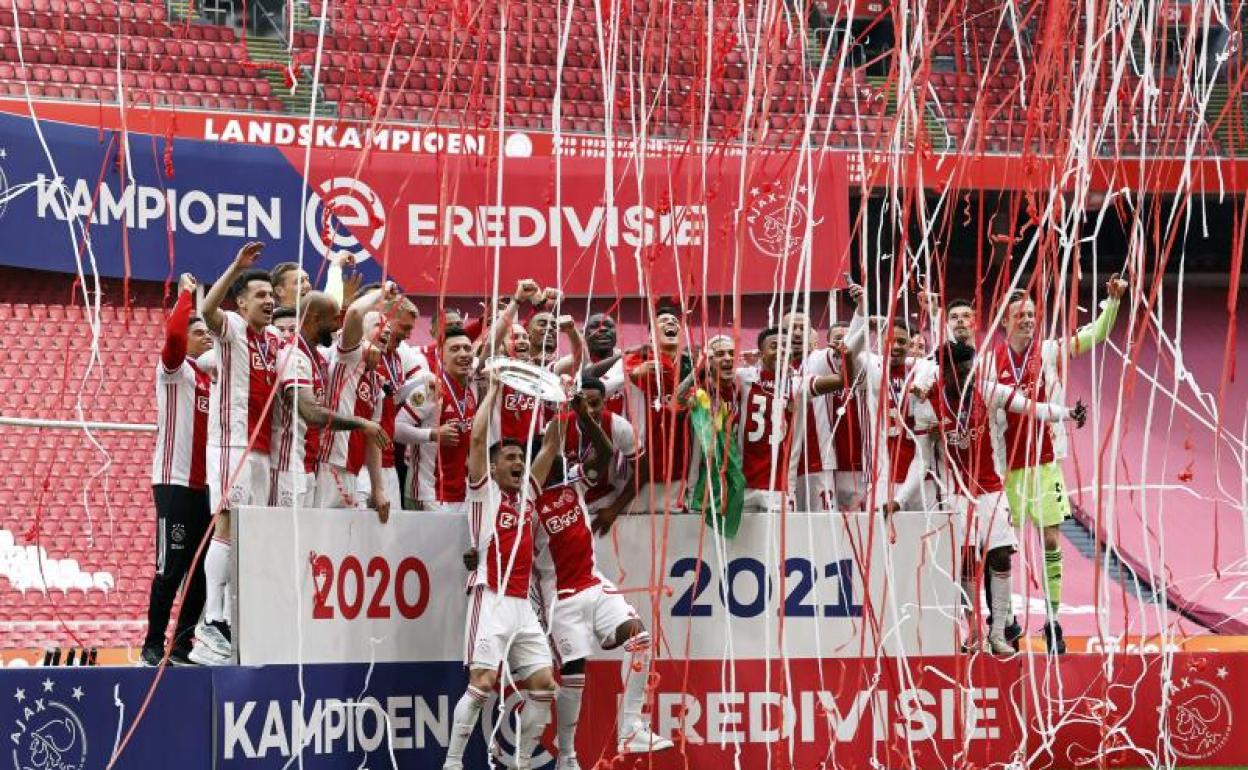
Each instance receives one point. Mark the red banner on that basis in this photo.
(1080, 711)
(660, 226)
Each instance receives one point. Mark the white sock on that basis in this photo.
(216, 579)
(568, 709)
(636, 672)
(533, 720)
(970, 605)
(466, 712)
(1002, 606)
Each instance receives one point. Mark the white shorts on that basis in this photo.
(500, 627)
(289, 486)
(815, 492)
(989, 523)
(588, 618)
(244, 474)
(389, 483)
(850, 488)
(926, 500)
(335, 487)
(765, 501)
(659, 498)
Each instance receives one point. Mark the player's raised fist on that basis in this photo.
(249, 254)
(1079, 415)
(1116, 286)
(551, 295)
(187, 282)
(857, 294)
(566, 324)
(526, 290)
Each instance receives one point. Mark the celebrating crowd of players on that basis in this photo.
(256, 410)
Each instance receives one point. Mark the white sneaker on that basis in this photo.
(998, 646)
(500, 758)
(567, 763)
(204, 655)
(643, 741)
(208, 635)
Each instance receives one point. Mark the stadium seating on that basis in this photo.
(75, 50)
(76, 545)
(676, 74)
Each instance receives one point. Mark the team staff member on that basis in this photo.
(179, 486)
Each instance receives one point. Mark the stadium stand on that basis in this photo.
(430, 64)
(83, 50)
(76, 545)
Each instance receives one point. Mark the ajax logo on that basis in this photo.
(48, 734)
(776, 220)
(1200, 718)
(340, 212)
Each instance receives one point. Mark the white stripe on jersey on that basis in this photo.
(346, 369)
(231, 389)
(290, 430)
(175, 425)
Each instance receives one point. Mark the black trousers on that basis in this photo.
(182, 519)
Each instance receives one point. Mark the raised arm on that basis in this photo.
(552, 447)
(211, 307)
(353, 319)
(598, 439)
(571, 363)
(526, 290)
(856, 335)
(173, 353)
(1093, 334)
(478, 442)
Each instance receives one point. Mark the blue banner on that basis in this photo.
(74, 718)
(119, 211)
(332, 717)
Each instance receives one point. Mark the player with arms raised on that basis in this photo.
(958, 439)
(239, 426)
(501, 625)
(1034, 484)
(583, 608)
(179, 484)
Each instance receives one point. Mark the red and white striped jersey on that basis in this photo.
(577, 449)
(564, 544)
(1028, 442)
(662, 427)
(439, 473)
(832, 436)
(182, 398)
(344, 386)
(616, 402)
(295, 444)
(393, 371)
(246, 372)
(765, 428)
(965, 425)
(501, 527)
(515, 415)
(370, 402)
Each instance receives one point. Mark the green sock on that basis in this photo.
(1053, 579)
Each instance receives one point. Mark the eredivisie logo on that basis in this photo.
(344, 214)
